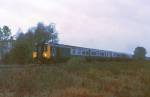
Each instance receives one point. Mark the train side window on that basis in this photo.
(102, 53)
(105, 54)
(97, 53)
(87, 53)
(93, 53)
(79, 52)
(53, 51)
(108, 54)
(83, 52)
(74, 51)
(114, 55)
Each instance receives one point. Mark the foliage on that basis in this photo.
(95, 79)
(21, 53)
(1, 34)
(139, 53)
(44, 33)
(76, 60)
(5, 33)
(5, 40)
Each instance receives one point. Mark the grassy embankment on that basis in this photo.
(77, 79)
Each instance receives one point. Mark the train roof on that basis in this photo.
(70, 46)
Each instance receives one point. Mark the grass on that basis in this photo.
(77, 78)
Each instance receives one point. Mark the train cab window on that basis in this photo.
(38, 48)
(45, 47)
(35, 49)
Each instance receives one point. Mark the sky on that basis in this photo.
(117, 25)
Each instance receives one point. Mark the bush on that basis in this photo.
(76, 60)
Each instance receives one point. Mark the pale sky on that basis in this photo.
(118, 25)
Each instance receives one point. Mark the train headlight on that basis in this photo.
(45, 55)
(34, 55)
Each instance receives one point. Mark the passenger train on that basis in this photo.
(49, 52)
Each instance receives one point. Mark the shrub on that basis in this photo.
(76, 60)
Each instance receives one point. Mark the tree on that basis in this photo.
(39, 34)
(139, 53)
(24, 43)
(21, 52)
(53, 37)
(6, 32)
(45, 33)
(5, 41)
(1, 34)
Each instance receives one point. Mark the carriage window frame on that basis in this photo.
(45, 47)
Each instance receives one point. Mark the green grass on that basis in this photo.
(77, 78)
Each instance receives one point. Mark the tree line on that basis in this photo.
(23, 43)
(5, 33)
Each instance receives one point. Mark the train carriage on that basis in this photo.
(45, 52)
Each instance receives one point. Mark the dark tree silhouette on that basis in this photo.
(44, 33)
(5, 33)
(139, 53)
(1, 34)
(24, 43)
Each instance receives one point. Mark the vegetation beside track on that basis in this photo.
(77, 79)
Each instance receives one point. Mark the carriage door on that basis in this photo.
(58, 52)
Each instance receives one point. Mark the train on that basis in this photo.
(50, 52)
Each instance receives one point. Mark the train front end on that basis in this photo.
(41, 53)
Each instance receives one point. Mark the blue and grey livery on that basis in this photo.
(48, 51)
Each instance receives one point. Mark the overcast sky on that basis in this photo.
(119, 25)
